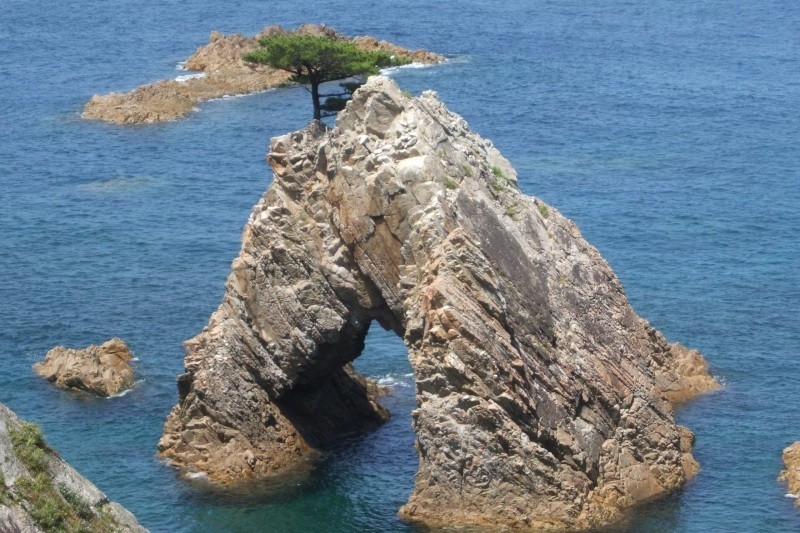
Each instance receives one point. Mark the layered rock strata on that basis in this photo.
(40, 492)
(542, 398)
(103, 370)
(221, 71)
(791, 472)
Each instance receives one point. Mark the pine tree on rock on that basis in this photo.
(314, 60)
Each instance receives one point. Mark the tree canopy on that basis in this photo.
(313, 60)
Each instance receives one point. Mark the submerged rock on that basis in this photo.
(221, 71)
(40, 492)
(104, 370)
(542, 398)
(791, 472)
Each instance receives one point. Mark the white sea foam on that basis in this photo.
(126, 391)
(416, 65)
(792, 496)
(181, 65)
(393, 70)
(229, 96)
(393, 380)
(187, 77)
(196, 475)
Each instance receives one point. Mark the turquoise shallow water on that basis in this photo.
(668, 132)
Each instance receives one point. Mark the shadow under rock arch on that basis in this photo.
(361, 480)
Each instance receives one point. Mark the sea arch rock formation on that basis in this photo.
(543, 399)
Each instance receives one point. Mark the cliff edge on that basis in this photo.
(542, 398)
(40, 492)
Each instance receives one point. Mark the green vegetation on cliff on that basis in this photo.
(53, 508)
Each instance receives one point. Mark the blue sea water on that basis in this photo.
(669, 131)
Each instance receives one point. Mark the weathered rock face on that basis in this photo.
(791, 472)
(542, 397)
(103, 370)
(40, 492)
(223, 72)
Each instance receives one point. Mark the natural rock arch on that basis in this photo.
(542, 397)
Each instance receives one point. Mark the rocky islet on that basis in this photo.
(219, 71)
(103, 370)
(791, 472)
(543, 399)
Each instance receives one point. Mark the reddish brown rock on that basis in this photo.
(222, 72)
(689, 376)
(104, 370)
(542, 398)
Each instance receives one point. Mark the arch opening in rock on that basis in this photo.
(374, 466)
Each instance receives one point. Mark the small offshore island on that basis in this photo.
(103, 370)
(543, 400)
(221, 71)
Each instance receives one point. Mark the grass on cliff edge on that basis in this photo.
(543, 210)
(53, 509)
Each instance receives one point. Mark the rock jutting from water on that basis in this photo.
(791, 472)
(220, 71)
(542, 398)
(103, 370)
(40, 492)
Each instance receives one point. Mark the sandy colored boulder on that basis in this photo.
(543, 399)
(220, 71)
(791, 472)
(104, 370)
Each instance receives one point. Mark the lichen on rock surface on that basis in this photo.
(103, 370)
(542, 398)
(221, 71)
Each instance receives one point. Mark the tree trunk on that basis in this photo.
(315, 99)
